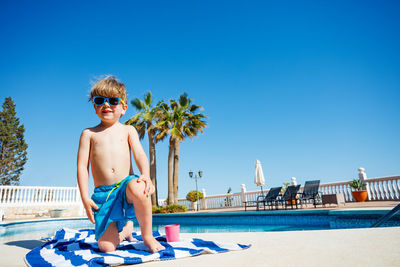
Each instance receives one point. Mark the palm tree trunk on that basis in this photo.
(176, 169)
(153, 171)
(170, 176)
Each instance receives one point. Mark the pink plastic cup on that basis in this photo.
(172, 232)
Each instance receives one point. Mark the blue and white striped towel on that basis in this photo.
(71, 247)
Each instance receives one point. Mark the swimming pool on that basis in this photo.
(260, 221)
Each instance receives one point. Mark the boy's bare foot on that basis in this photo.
(126, 233)
(152, 244)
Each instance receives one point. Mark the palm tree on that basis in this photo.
(144, 121)
(180, 120)
(165, 125)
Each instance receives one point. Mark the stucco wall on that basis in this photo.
(28, 212)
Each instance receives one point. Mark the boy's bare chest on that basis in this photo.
(108, 143)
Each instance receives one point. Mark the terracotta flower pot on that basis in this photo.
(360, 196)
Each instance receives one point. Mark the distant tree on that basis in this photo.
(193, 195)
(12, 145)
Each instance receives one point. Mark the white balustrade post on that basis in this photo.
(204, 199)
(363, 178)
(28, 195)
(49, 195)
(10, 193)
(34, 198)
(12, 200)
(25, 190)
(69, 198)
(243, 194)
(64, 196)
(15, 195)
(40, 195)
(73, 190)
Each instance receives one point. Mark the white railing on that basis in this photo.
(223, 201)
(37, 195)
(386, 188)
(379, 189)
(336, 188)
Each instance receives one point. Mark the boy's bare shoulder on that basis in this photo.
(90, 131)
(129, 128)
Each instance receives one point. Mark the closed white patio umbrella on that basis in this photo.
(259, 176)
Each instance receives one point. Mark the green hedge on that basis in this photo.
(170, 209)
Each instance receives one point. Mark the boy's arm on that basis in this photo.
(83, 174)
(141, 160)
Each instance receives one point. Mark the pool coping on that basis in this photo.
(41, 220)
(328, 212)
(278, 212)
(377, 210)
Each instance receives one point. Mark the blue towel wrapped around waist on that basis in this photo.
(113, 206)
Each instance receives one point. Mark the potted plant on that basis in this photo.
(229, 199)
(192, 197)
(360, 195)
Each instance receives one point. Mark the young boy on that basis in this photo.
(118, 195)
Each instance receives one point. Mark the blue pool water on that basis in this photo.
(261, 221)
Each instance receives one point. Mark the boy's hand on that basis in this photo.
(148, 185)
(88, 205)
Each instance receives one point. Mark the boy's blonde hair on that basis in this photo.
(109, 87)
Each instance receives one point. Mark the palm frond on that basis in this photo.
(162, 103)
(147, 99)
(138, 104)
(194, 108)
(161, 136)
(141, 129)
(184, 100)
(134, 120)
(173, 104)
(177, 134)
(148, 117)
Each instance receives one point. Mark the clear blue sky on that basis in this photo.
(310, 88)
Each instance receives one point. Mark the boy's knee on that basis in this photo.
(106, 246)
(135, 189)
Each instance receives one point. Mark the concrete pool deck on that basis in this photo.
(350, 247)
(343, 247)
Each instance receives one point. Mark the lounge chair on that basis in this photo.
(268, 200)
(310, 192)
(290, 196)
